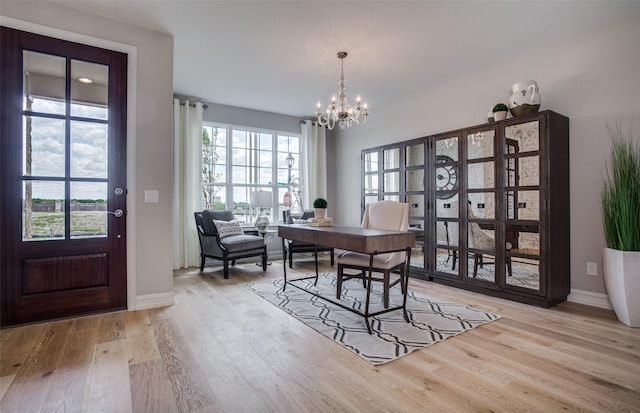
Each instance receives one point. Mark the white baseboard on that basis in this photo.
(589, 298)
(144, 302)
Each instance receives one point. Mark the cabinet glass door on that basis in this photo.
(481, 206)
(370, 177)
(522, 208)
(414, 156)
(447, 205)
(391, 174)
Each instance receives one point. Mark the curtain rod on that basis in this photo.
(313, 122)
(193, 105)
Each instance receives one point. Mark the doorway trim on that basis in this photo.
(132, 57)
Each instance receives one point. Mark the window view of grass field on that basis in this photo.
(88, 218)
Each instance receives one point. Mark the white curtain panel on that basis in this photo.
(314, 155)
(187, 182)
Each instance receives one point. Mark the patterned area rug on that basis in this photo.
(431, 320)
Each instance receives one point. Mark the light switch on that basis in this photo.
(150, 195)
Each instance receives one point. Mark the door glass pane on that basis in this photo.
(480, 262)
(89, 89)
(89, 150)
(447, 261)
(391, 182)
(88, 209)
(371, 184)
(446, 177)
(528, 168)
(415, 180)
(416, 205)
(527, 136)
(447, 233)
(480, 175)
(510, 207)
(523, 255)
(523, 239)
(370, 199)
(511, 171)
(481, 236)
(44, 83)
(392, 158)
(417, 253)
(391, 198)
(482, 205)
(371, 162)
(480, 144)
(415, 155)
(524, 273)
(447, 208)
(481, 267)
(43, 147)
(448, 147)
(527, 205)
(43, 210)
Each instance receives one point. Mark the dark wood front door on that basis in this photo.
(63, 177)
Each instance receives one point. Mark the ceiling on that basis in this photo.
(281, 56)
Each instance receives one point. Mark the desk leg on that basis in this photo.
(284, 264)
(366, 305)
(315, 248)
(405, 284)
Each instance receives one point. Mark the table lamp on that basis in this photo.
(261, 199)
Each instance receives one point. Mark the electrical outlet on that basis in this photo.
(592, 268)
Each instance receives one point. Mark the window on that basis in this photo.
(237, 161)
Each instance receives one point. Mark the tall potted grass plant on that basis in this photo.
(621, 221)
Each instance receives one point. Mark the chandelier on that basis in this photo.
(339, 111)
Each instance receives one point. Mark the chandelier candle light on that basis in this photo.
(339, 111)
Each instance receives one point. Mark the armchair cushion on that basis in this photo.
(228, 228)
(235, 243)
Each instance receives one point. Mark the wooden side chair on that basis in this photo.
(387, 215)
(294, 247)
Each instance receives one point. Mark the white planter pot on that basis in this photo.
(320, 213)
(622, 279)
(502, 115)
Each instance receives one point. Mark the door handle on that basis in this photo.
(118, 213)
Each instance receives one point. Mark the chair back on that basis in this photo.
(389, 215)
(199, 223)
(286, 217)
(208, 215)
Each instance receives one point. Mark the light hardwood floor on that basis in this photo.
(221, 348)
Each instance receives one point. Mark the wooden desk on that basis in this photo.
(362, 240)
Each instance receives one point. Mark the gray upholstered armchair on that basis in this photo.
(228, 242)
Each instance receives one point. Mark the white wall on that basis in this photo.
(592, 78)
(150, 134)
(232, 115)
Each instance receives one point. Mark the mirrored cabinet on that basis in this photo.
(489, 205)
